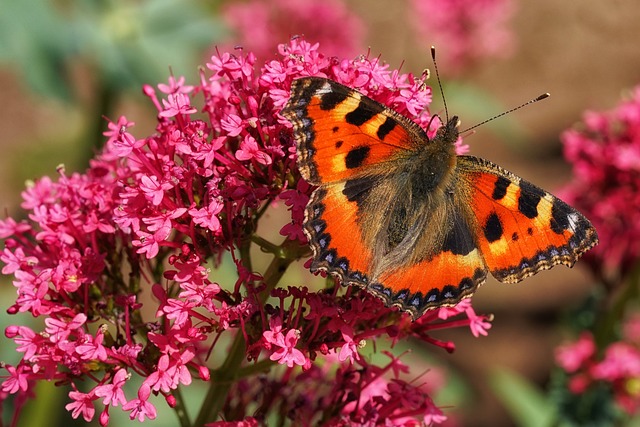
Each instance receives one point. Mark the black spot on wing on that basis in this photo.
(357, 190)
(560, 216)
(385, 128)
(493, 228)
(530, 196)
(459, 240)
(356, 157)
(500, 188)
(363, 113)
(339, 144)
(330, 100)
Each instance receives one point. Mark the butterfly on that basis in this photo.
(403, 216)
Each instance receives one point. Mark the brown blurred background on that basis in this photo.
(585, 53)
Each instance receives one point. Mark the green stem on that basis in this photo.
(605, 332)
(221, 383)
(180, 409)
(265, 245)
(231, 369)
(106, 98)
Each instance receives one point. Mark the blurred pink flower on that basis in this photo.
(260, 25)
(605, 154)
(464, 31)
(572, 356)
(617, 366)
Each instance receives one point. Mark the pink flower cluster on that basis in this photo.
(154, 216)
(260, 24)
(465, 31)
(618, 365)
(605, 153)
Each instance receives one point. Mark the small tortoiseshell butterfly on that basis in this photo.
(405, 217)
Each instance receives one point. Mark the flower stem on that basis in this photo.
(221, 383)
(224, 377)
(181, 412)
(605, 332)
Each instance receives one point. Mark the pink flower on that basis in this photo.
(113, 393)
(605, 154)
(464, 31)
(285, 352)
(177, 103)
(261, 25)
(17, 379)
(573, 356)
(82, 405)
(249, 150)
(153, 188)
(207, 216)
(349, 350)
(145, 230)
(620, 361)
(140, 407)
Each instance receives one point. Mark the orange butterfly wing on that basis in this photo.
(342, 135)
(521, 228)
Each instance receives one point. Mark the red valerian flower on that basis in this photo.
(617, 366)
(161, 213)
(260, 25)
(466, 30)
(605, 154)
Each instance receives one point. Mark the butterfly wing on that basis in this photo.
(520, 228)
(453, 273)
(346, 144)
(342, 134)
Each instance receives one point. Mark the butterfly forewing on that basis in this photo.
(521, 228)
(341, 134)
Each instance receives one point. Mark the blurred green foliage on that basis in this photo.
(126, 43)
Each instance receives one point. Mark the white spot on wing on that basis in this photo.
(573, 220)
(326, 88)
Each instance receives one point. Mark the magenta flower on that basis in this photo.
(573, 356)
(285, 351)
(605, 154)
(113, 393)
(82, 405)
(261, 25)
(618, 367)
(140, 407)
(465, 31)
(156, 215)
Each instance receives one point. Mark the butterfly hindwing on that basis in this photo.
(521, 229)
(453, 273)
(327, 216)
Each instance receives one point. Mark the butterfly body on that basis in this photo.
(405, 217)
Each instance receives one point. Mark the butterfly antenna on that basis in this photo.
(435, 66)
(532, 101)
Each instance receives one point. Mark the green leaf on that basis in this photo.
(36, 41)
(527, 405)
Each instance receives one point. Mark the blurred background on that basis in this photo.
(65, 65)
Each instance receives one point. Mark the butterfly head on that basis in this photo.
(448, 133)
